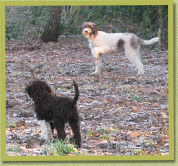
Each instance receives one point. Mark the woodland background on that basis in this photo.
(121, 113)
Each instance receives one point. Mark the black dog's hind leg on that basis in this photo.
(52, 129)
(76, 130)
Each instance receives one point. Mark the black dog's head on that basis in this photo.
(89, 29)
(37, 87)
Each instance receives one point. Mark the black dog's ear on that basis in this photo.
(42, 85)
(28, 89)
(48, 89)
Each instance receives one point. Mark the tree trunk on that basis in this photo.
(161, 26)
(51, 29)
(78, 8)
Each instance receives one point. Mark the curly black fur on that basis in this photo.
(56, 110)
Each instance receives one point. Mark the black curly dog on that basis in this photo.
(54, 111)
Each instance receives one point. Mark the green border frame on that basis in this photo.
(87, 158)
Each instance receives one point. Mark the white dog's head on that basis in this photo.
(89, 29)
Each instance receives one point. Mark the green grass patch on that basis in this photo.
(10, 124)
(127, 89)
(15, 148)
(61, 148)
(137, 98)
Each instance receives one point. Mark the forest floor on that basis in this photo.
(121, 113)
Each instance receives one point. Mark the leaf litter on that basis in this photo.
(121, 113)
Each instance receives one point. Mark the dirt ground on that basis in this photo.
(121, 113)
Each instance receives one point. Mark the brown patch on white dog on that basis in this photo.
(134, 42)
(120, 45)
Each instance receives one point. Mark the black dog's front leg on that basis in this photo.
(52, 125)
(60, 129)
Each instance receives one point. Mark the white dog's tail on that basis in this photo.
(148, 42)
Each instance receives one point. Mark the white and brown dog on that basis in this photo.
(109, 43)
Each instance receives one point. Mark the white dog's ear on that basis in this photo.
(94, 29)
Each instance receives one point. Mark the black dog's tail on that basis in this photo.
(75, 99)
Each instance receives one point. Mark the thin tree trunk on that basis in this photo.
(161, 26)
(78, 12)
(51, 29)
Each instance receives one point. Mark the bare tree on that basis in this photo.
(51, 29)
(161, 26)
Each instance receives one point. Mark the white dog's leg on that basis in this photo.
(96, 52)
(134, 57)
(139, 65)
(97, 66)
(46, 130)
